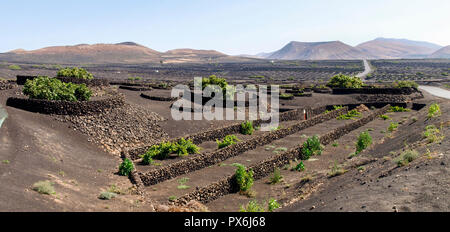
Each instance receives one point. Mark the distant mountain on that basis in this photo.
(333, 50)
(442, 53)
(383, 48)
(126, 52)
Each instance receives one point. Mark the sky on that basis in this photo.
(230, 26)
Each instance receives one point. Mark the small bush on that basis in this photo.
(227, 141)
(126, 167)
(352, 114)
(14, 67)
(434, 110)
(343, 81)
(398, 109)
(163, 150)
(392, 126)
(252, 206)
(107, 195)
(385, 117)
(336, 170)
(182, 183)
(311, 147)
(286, 96)
(407, 157)
(300, 167)
(272, 205)
(243, 177)
(276, 177)
(247, 128)
(54, 89)
(185, 147)
(405, 84)
(433, 134)
(44, 187)
(364, 140)
(75, 72)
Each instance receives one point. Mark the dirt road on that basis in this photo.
(367, 70)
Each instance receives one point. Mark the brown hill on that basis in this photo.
(442, 53)
(333, 50)
(383, 48)
(127, 52)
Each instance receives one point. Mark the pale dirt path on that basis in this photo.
(367, 70)
(436, 91)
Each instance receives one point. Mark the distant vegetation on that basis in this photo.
(162, 151)
(343, 81)
(352, 114)
(14, 67)
(75, 72)
(54, 89)
(405, 84)
(398, 109)
(227, 141)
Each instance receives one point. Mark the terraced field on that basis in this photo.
(208, 177)
(419, 70)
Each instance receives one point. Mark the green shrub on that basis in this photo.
(405, 84)
(126, 167)
(44, 187)
(272, 205)
(398, 109)
(311, 147)
(163, 150)
(14, 67)
(227, 141)
(434, 110)
(286, 96)
(433, 134)
(247, 128)
(244, 178)
(253, 206)
(300, 167)
(54, 89)
(185, 147)
(107, 195)
(276, 177)
(182, 183)
(352, 114)
(364, 140)
(392, 126)
(75, 72)
(336, 170)
(343, 81)
(385, 117)
(407, 157)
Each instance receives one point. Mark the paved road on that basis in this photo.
(436, 91)
(367, 70)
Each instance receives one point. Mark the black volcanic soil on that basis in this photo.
(423, 185)
(38, 147)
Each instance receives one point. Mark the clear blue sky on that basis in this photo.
(231, 26)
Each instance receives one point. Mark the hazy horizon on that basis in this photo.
(232, 27)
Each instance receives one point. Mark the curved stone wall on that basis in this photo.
(66, 107)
